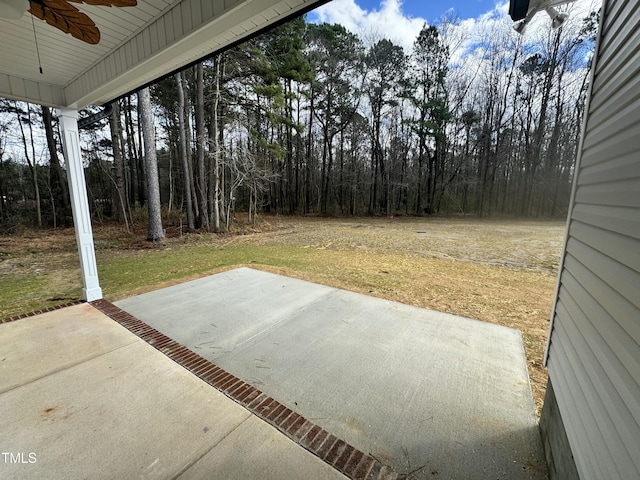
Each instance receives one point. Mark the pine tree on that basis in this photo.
(155, 231)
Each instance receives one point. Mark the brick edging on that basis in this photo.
(38, 312)
(345, 458)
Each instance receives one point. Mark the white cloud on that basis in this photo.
(387, 22)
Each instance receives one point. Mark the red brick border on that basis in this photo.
(38, 312)
(345, 458)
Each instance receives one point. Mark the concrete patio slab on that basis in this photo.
(82, 397)
(432, 395)
(41, 346)
(254, 442)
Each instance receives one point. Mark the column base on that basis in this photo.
(92, 294)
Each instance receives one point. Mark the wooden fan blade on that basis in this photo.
(63, 16)
(108, 3)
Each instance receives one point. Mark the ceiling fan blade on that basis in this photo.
(67, 18)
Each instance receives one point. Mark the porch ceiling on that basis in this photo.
(138, 45)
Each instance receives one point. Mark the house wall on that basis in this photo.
(560, 461)
(593, 356)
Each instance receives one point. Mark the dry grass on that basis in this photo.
(499, 271)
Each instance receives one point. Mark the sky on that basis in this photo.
(432, 10)
(402, 20)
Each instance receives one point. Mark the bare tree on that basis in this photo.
(33, 165)
(203, 211)
(216, 147)
(118, 165)
(183, 153)
(246, 170)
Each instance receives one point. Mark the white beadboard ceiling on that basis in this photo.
(138, 45)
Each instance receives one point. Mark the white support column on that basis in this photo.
(81, 215)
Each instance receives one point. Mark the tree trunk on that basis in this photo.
(216, 149)
(307, 169)
(187, 121)
(33, 166)
(183, 154)
(155, 231)
(58, 185)
(118, 165)
(203, 211)
(140, 173)
(132, 150)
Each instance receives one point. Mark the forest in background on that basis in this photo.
(312, 119)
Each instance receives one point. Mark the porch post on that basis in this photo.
(80, 205)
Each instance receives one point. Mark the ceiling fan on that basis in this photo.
(523, 11)
(62, 15)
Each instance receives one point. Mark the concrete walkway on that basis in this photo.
(83, 397)
(429, 394)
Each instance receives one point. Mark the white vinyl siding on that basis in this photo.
(594, 347)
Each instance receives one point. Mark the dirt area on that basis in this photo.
(523, 245)
(499, 271)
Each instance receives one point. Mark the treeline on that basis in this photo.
(308, 119)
